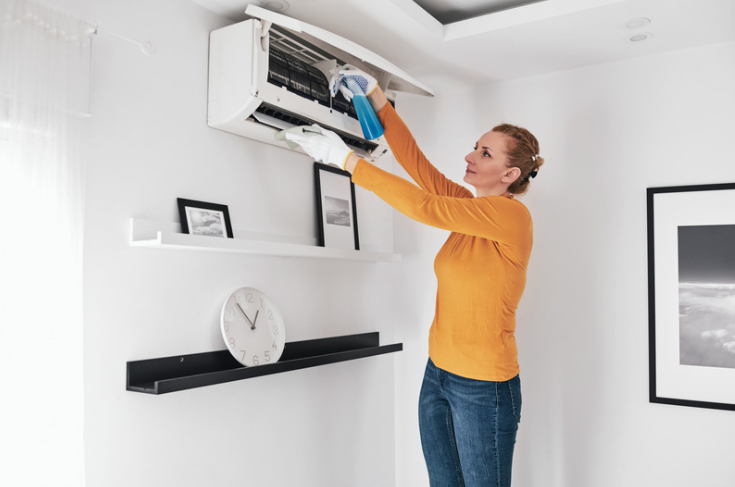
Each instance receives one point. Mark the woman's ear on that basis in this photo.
(511, 175)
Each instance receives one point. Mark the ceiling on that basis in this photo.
(449, 11)
(497, 40)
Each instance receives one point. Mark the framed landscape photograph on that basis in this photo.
(691, 295)
(335, 207)
(202, 218)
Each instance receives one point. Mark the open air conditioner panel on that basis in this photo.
(272, 72)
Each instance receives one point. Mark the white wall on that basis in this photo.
(607, 132)
(148, 143)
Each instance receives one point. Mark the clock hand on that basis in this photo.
(255, 320)
(252, 325)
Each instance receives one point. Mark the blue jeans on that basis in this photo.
(468, 429)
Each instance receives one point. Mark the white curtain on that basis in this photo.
(44, 76)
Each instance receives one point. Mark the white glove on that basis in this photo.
(337, 83)
(323, 145)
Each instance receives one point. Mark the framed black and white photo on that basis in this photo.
(691, 295)
(202, 218)
(336, 209)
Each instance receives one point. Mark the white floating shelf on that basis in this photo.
(146, 233)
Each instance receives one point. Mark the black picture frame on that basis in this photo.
(691, 269)
(336, 209)
(203, 218)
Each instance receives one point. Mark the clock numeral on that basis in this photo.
(249, 297)
(232, 342)
(255, 360)
(270, 314)
(243, 354)
(275, 347)
(275, 330)
(227, 326)
(267, 356)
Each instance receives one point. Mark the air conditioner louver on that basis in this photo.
(281, 119)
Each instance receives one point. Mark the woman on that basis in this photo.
(470, 401)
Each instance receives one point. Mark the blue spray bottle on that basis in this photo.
(371, 127)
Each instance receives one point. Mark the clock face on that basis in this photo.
(252, 327)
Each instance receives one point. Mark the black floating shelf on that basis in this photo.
(178, 373)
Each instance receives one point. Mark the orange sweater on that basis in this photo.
(480, 270)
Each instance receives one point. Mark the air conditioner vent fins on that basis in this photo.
(296, 76)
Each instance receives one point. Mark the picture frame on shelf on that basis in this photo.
(691, 295)
(203, 218)
(336, 210)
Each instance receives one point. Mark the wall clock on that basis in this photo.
(252, 327)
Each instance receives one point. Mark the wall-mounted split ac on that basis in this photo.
(272, 72)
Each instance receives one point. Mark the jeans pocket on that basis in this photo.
(516, 398)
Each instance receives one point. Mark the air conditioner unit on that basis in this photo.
(272, 72)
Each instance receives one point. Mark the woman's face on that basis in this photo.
(487, 165)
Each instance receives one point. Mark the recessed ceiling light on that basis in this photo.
(275, 5)
(640, 37)
(638, 22)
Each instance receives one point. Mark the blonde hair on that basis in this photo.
(522, 153)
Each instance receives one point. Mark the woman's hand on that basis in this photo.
(321, 144)
(366, 82)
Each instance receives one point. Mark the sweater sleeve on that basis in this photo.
(498, 218)
(413, 161)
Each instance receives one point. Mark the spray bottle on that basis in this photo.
(371, 127)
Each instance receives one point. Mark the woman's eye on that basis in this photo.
(484, 153)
